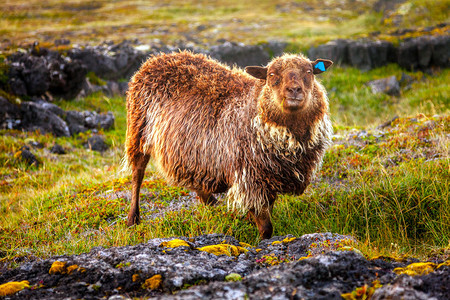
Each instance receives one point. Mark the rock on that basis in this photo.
(96, 143)
(36, 116)
(407, 288)
(57, 149)
(111, 62)
(366, 55)
(240, 54)
(336, 50)
(86, 120)
(386, 5)
(441, 53)
(184, 271)
(10, 114)
(27, 156)
(388, 85)
(39, 71)
(67, 77)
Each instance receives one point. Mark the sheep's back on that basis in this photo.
(193, 116)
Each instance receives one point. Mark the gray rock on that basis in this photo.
(336, 50)
(240, 54)
(187, 273)
(389, 85)
(10, 114)
(57, 149)
(27, 156)
(81, 121)
(35, 116)
(96, 143)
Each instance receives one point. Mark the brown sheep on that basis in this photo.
(213, 129)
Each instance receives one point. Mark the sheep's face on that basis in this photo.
(290, 80)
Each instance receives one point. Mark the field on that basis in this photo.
(388, 186)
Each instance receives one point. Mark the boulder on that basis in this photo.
(336, 50)
(10, 114)
(36, 72)
(81, 121)
(240, 54)
(96, 143)
(36, 116)
(26, 155)
(57, 149)
(389, 85)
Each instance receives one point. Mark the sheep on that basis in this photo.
(214, 129)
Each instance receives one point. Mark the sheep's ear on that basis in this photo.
(321, 65)
(257, 72)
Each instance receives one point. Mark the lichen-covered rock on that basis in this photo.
(310, 267)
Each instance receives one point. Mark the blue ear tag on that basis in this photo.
(320, 66)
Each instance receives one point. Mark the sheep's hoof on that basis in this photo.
(133, 220)
(206, 198)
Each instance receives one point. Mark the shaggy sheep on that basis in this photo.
(213, 129)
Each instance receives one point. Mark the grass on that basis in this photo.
(306, 22)
(387, 187)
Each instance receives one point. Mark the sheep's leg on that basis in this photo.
(206, 198)
(138, 164)
(263, 221)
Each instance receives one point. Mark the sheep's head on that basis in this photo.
(290, 80)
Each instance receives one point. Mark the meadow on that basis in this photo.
(387, 186)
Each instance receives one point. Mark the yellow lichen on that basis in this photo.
(445, 263)
(13, 287)
(258, 250)
(71, 268)
(364, 292)
(245, 245)
(135, 277)
(174, 244)
(276, 243)
(305, 257)
(416, 269)
(153, 282)
(226, 249)
(58, 267)
(288, 240)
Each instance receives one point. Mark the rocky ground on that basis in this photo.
(313, 266)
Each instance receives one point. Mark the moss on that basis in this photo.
(233, 277)
(13, 287)
(58, 267)
(174, 244)
(153, 282)
(416, 269)
(221, 249)
(94, 79)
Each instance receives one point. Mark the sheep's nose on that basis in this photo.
(294, 89)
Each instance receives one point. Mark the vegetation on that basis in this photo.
(303, 22)
(388, 187)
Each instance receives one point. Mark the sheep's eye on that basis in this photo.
(309, 71)
(272, 74)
